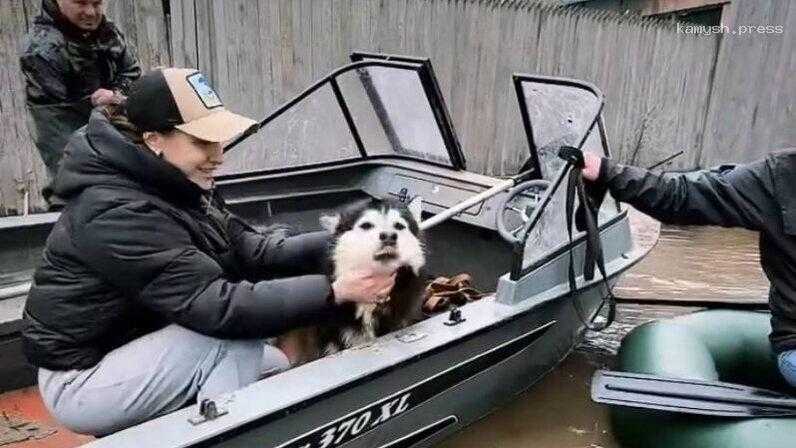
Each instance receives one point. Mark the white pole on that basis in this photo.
(467, 203)
(14, 291)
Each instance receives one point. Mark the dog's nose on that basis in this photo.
(388, 237)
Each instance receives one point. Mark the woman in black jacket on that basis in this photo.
(149, 292)
(759, 196)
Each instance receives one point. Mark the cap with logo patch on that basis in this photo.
(182, 98)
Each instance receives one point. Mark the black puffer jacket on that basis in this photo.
(759, 196)
(139, 246)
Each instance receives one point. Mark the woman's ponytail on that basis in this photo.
(117, 115)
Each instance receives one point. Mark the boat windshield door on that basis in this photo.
(558, 112)
(372, 108)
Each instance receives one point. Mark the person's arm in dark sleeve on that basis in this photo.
(128, 68)
(143, 252)
(729, 198)
(44, 77)
(275, 254)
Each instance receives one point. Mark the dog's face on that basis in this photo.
(377, 235)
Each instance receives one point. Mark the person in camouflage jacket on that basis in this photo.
(73, 59)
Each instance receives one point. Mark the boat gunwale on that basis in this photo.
(14, 222)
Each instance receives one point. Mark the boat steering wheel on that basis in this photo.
(533, 189)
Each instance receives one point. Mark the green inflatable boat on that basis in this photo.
(727, 346)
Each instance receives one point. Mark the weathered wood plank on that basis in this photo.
(145, 27)
(203, 13)
(183, 34)
(21, 169)
(752, 102)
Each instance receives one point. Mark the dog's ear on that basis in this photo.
(416, 208)
(329, 222)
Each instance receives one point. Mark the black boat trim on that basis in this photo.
(422, 434)
(380, 110)
(347, 115)
(423, 391)
(606, 148)
(533, 158)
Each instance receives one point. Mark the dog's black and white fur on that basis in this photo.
(372, 236)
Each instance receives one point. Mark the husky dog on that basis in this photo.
(373, 235)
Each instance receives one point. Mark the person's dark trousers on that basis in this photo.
(52, 125)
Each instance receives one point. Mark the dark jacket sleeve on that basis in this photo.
(274, 254)
(729, 198)
(44, 76)
(150, 257)
(127, 67)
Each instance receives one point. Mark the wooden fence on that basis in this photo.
(666, 90)
(656, 80)
(753, 97)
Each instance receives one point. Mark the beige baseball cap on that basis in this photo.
(182, 98)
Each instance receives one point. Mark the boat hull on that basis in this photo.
(442, 392)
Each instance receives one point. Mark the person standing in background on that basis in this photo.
(73, 59)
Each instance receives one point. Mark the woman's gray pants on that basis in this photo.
(153, 375)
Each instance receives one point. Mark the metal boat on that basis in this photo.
(379, 127)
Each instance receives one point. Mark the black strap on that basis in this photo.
(594, 252)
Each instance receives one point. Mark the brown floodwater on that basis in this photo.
(689, 263)
(698, 263)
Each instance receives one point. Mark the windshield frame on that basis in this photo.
(518, 79)
(436, 100)
(430, 89)
(518, 270)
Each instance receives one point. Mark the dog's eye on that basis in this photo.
(366, 226)
(399, 226)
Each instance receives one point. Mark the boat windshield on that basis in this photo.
(559, 112)
(371, 108)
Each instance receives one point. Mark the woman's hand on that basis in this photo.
(363, 287)
(592, 169)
